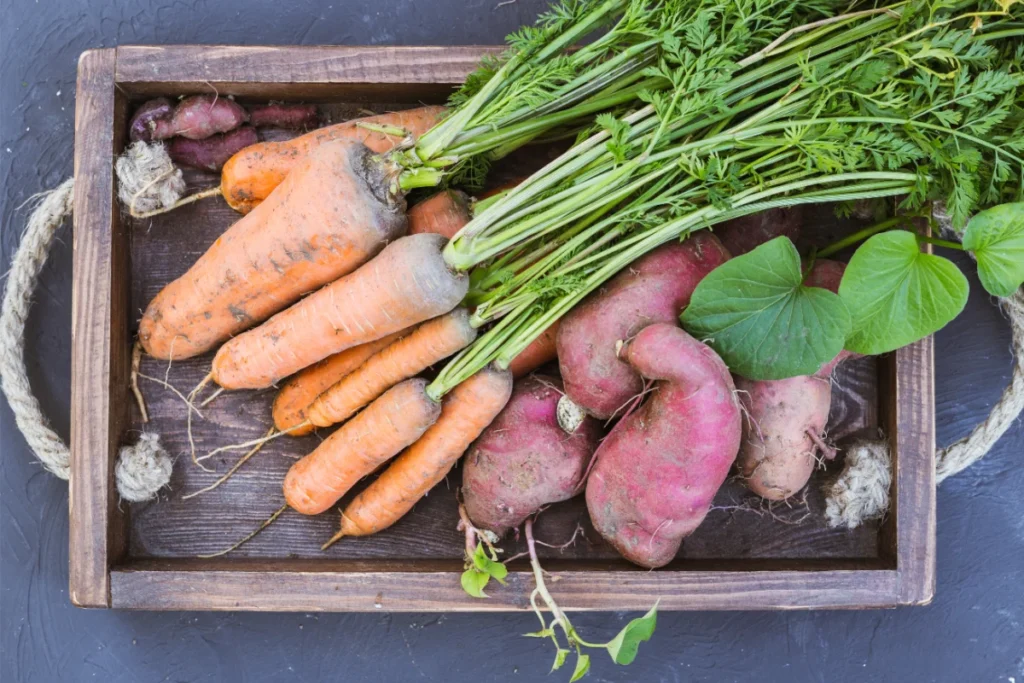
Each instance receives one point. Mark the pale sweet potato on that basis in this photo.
(783, 432)
(653, 289)
(658, 470)
(525, 459)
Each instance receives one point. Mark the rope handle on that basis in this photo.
(142, 469)
(145, 468)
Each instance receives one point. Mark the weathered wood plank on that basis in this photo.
(344, 588)
(99, 358)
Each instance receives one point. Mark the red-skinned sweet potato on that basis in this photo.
(659, 468)
(783, 431)
(280, 115)
(525, 459)
(655, 288)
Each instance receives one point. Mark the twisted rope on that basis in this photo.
(142, 469)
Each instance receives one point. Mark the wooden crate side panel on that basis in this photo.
(312, 591)
(404, 73)
(913, 446)
(99, 353)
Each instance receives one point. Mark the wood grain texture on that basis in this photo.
(99, 357)
(361, 589)
(323, 72)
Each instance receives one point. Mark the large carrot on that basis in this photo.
(389, 424)
(540, 351)
(252, 174)
(299, 392)
(407, 283)
(465, 413)
(429, 343)
(444, 213)
(328, 218)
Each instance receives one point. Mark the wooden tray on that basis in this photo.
(143, 556)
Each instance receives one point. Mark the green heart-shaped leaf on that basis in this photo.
(474, 581)
(624, 646)
(560, 656)
(897, 294)
(996, 236)
(489, 566)
(582, 667)
(755, 311)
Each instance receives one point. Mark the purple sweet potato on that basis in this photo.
(277, 134)
(658, 470)
(152, 121)
(741, 235)
(525, 459)
(783, 433)
(653, 289)
(201, 116)
(212, 152)
(291, 116)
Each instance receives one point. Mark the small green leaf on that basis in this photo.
(623, 647)
(488, 566)
(897, 294)
(582, 667)
(765, 324)
(996, 236)
(474, 581)
(543, 633)
(560, 656)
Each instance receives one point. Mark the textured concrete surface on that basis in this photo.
(974, 631)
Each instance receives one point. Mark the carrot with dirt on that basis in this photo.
(427, 344)
(299, 392)
(465, 413)
(406, 284)
(326, 220)
(389, 424)
(252, 174)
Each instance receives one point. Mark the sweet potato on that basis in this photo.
(655, 288)
(741, 235)
(196, 118)
(783, 432)
(151, 120)
(290, 116)
(211, 153)
(657, 472)
(525, 460)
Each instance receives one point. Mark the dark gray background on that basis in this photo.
(974, 631)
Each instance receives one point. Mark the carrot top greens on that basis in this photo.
(920, 100)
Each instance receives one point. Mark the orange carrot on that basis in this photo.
(324, 221)
(299, 392)
(407, 283)
(378, 433)
(540, 351)
(429, 343)
(252, 174)
(465, 413)
(442, 214)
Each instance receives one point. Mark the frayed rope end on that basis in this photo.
(861, 493)
(143, 469)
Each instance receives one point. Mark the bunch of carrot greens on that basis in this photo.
(545, 84)
(921, 99)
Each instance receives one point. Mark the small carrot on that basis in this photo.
(407, 283)
(429, 343)
(299, 392)
(465, 413)
(540, 351)
(323, 222)
(444, 213)
(252, 174)
(378, 433)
